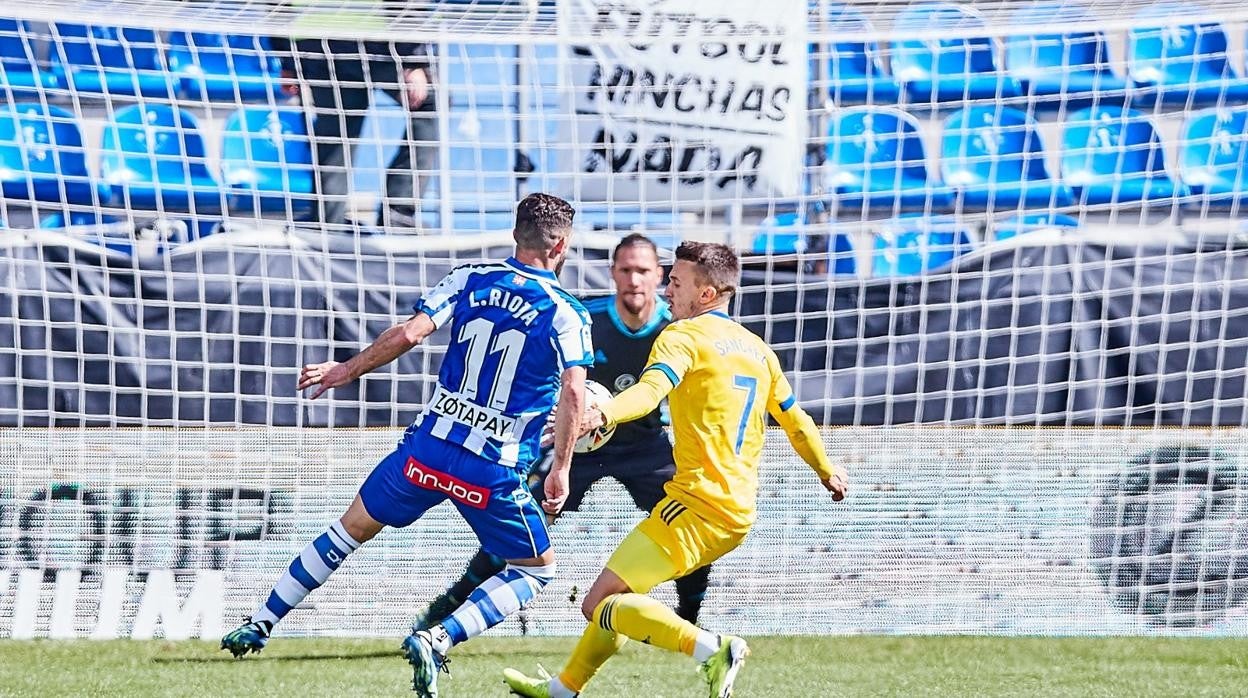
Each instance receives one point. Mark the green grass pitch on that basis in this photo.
(779, 666)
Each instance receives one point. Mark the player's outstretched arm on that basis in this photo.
(389, 346)
(635, 402)
(567, 429)
(804, 436)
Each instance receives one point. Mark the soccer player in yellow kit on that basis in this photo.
(721, 382)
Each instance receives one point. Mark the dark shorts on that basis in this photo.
(643, 471)
(494, 499)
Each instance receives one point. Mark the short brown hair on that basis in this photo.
(718, 265)
(634, 240)
(542, 221)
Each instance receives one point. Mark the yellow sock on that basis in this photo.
(642, 618)
(592, 651)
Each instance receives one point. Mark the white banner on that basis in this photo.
(180, 533)
(685, 99)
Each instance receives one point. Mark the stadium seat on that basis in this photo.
(783, 233)
(101, 229)
(1180, 63)
(20, 76)
(1213, 154)
(786, 233)
(875, 159)
(266, 160)
(482, 75)
(855, 71)
(993, 158)
(1030, 222)
(1072, 66)
(918, 244)
(110, 60)
(42, 157)
(947, 69)
(73, 218)
(152, 157)
(1113, 155)
(224, 67)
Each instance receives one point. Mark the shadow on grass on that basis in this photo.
(278, 657)
(224, 657)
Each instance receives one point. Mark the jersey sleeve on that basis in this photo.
(440, 301)
(781, 399)
(572, 338)
(672, 354)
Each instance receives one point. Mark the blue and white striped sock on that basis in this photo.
(307, 572)
(498, 597)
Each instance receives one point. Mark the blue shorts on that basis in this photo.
(494, 499)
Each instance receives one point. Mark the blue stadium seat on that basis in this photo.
(842, 259)
(992, 156)
(786, 233)
(20, 76)
(1030, 222)
(482, 75)
(224, 67)
(947, 69)
(1213, 154)
(110, 60)
(42, 157)
(266, 160)
(855, 71)
(98, 228)
(1111, 154)
(783, 233)
(875, 159)
(153, 159)
(919, 244)
(62, 220)
(1073, 66)
(1180, 63)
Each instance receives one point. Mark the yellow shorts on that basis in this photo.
(670, 543)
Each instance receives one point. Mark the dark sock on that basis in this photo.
(481, 567)
(690, 592)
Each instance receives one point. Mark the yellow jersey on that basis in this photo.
(725, 380)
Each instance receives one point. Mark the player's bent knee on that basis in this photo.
(359, 523)
(536, 577)
(588, 606)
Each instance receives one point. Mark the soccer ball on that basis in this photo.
(595, 393)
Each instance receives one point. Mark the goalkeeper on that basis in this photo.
(639, 455)
(722, 381)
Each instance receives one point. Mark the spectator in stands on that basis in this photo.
(335, 80)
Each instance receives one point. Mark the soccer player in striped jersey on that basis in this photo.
(518, 341)
(721, 381)
(639, 455)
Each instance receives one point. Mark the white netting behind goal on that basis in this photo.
(997, 245)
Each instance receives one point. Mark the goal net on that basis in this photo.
(997, 246)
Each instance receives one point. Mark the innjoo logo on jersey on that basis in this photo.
(422, 475)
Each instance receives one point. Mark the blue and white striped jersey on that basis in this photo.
(513, 332)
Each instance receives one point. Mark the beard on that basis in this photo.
(559, 265)
(634, 302)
